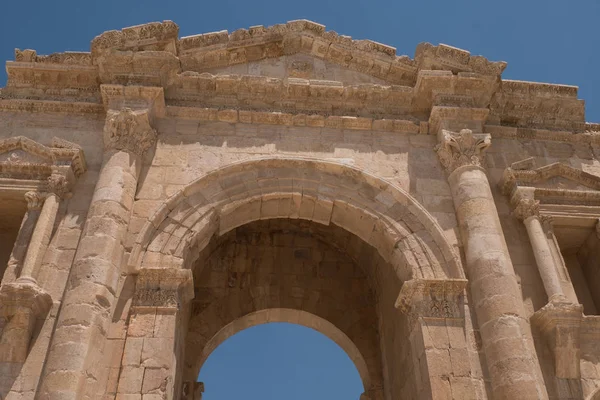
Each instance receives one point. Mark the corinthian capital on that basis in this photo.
(58, 184)
(463, 148)
(526, 208)
(128, 130)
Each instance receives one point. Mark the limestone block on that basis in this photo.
(130, 381)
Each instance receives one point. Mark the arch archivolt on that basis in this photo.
(380, 213)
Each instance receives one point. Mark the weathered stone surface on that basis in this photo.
(159, 194)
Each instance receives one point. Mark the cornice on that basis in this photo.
(24, 158)
(528, 195)
(49, 106)
(152, 55)
(290, 119)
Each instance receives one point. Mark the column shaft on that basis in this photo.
(19, 251)
(506, 335)
(543, 256)
(74, 367)
(78, 339)
(40, 238)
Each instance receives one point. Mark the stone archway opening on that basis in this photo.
(305, 235)
(282, 353)
(301, 272)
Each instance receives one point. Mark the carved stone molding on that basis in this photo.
(566, 194)
(432, 298)
(529, 177)
(119, 97)
(560, 322)
(23, 158)
(455, 118)
(58, 184)
(460, 149)
(35, 200)
(15, 295)
(163, 288)
(526, 208)
(129, 130)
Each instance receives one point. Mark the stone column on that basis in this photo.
(507, 341)
(22, 301)
(73, 363)
(17, 256)
(435, 313)
(58, 187)
(153, 346)
(527, 210)
(559, 321)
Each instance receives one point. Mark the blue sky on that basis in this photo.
(547, 41)
(280, 361)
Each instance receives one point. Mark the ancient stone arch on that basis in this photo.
(394, 226)
(378, 212)
(290, 171)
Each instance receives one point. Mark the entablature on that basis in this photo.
(408, 89)
(569, 195)
(27, 165)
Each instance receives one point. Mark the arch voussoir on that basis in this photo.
(379, 213)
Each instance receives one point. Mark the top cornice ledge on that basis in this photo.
(339, 49)
(153, 36)
(444, 57)
(66, 58)
(277, 40)
(259, 33)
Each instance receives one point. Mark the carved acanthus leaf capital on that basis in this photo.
(35, 200)
(129, 130)
(526, 208)
(463, 148)
(58, 184)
